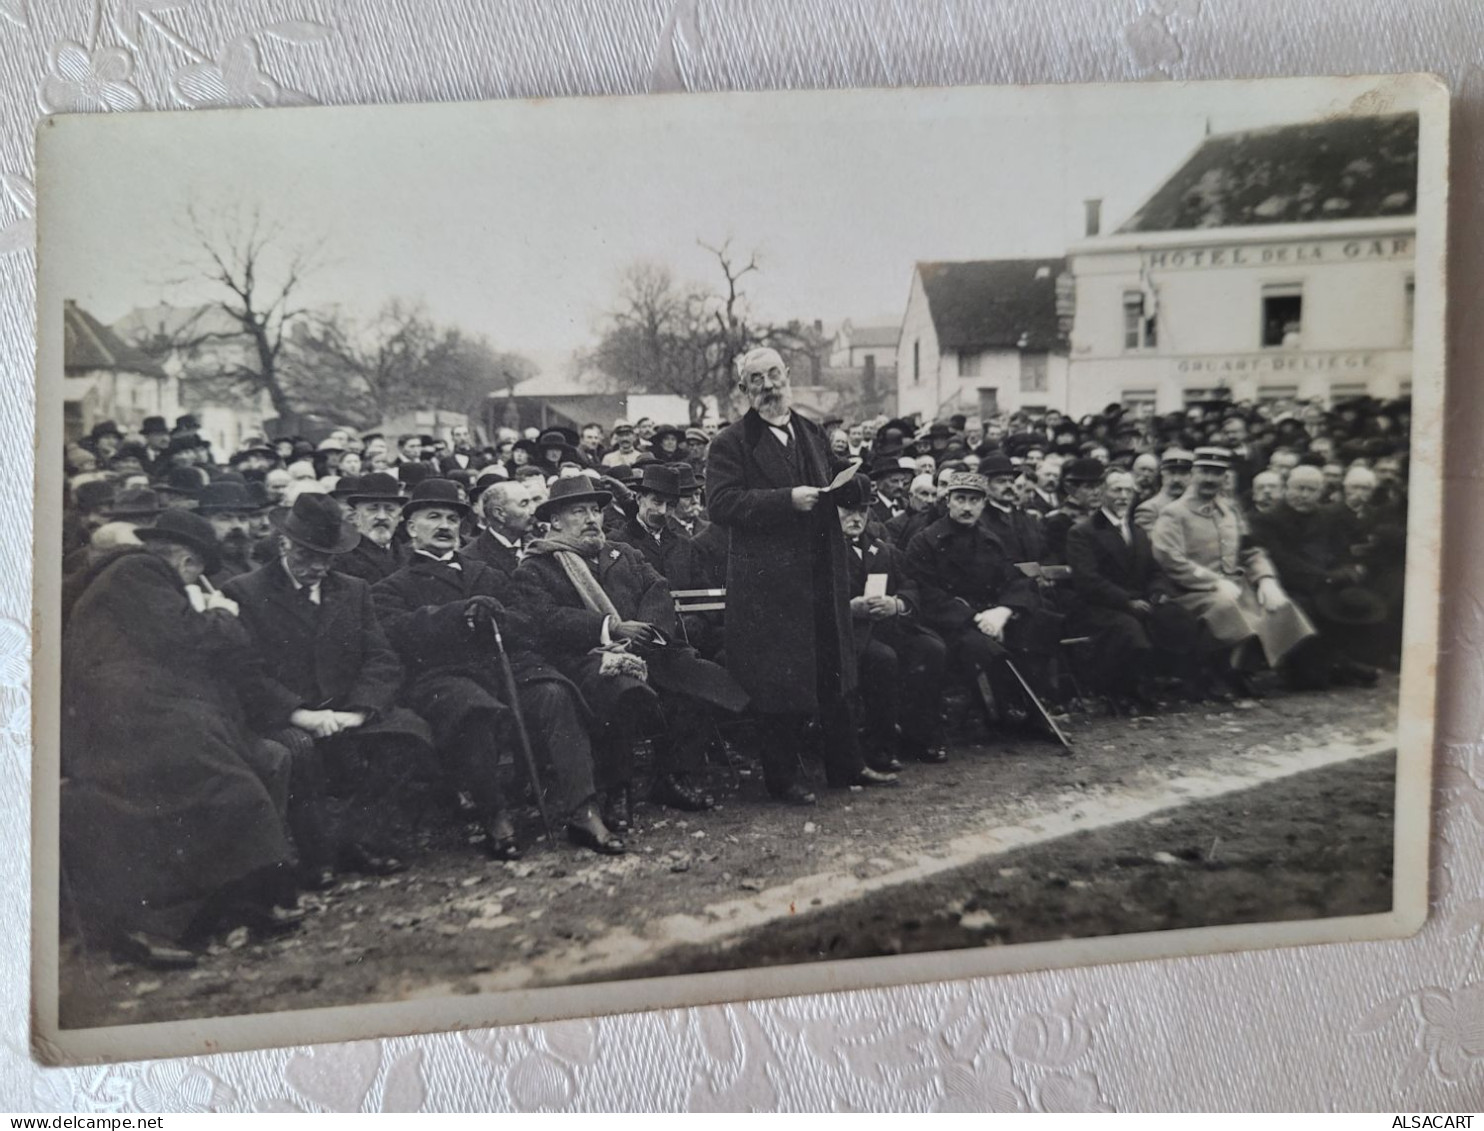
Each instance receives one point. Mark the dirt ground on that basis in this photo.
(1175, 837)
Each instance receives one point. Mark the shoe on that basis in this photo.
(270, 922)
(158, 954)
(930, 755)
(796, 794)
(884, 764)
(499, 839)
(869, 776)
(674, 791)
(618, 812)
(356, 858)
(316, 879)
(586, 830)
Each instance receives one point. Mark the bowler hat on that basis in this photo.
(223, 495)
(553, 436)
(414, 473)
(882, 466)
(184, 528)
(1352, 604)
(345, 486)
(1083, 470)
(435, 492)
(134, 502)
(378, 487)
(857, 494)
(660, 479)
(153, 424)
(565, 492)
(996, 463)
(187, 422)
(94, 495)
(317, 523)
(105, 428)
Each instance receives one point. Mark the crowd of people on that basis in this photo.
(266, 650)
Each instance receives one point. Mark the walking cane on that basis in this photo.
(520, 726)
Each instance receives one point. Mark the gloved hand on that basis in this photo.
(1270, 595)
(992, 622)
(481, 609)
(217, 600)
(1229, 589)
(321, 724)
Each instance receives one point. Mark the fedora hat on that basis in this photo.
(1083, 470)
(997, 463)
(565, 492)
(317, 523)
(224, 495)
(184, 528)
(134, 502)
(435, 492)
(660, 479)
(688, 479)
(1351, 604)
(94, 495)
(378, 487)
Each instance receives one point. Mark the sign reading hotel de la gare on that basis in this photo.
(1279, 254)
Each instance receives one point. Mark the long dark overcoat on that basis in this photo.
(452, 672)
(570, 630)
(160, 807)
(881, 557)
(370, 562)
(332, 655)
(788, 627)
(493, 553)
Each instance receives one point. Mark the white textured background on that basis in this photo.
(1381, 1026)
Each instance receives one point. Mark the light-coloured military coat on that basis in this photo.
(1197, 544)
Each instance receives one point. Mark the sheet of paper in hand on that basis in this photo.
(336, 364)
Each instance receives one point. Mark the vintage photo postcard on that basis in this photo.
(511, 561)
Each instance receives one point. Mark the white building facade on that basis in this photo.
(1269, 312)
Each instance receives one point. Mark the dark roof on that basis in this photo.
(88, 344)
(994, 303)
(1340, 169)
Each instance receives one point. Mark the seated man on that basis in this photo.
(1017, 531)
(901, 661)
(1124, 595)
(329, 677)
(441, 613)
(1174, 478)
(608, 622)
(922, 510)
(1082, 484)
(169, 831)
(507, 507)
(973, 596)
(1306, 546)
(1224, 578)
(376, 509)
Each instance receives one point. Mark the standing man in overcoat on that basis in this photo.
(788, 631)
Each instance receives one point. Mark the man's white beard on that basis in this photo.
(378, 535)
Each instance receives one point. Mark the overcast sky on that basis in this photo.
(514, 220)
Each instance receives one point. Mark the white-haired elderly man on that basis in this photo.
(1224, 578)
(922, 511)
(508, 508)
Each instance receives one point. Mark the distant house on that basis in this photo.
(1273, 264)
(982, 337)
(225, 419)
(855, 347)
(105, 378)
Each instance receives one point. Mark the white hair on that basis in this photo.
(302, 487)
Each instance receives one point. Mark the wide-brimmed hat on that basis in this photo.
(317, 523)
(689, 480)
(556, 435)
(1352, 604)
(435, 492)
(885, 465)
(224, 495)
(185, 528)
(569, 453)
(378, 487)
(667, 430)
(105, 428)
(184, 481)
(661, 479)
(134, 502)
(576, 489)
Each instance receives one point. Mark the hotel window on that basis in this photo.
(1339, 394)
(1033, 373)
(969, 364)
(1198, 396)
(1268, 394)
(1407, 310)
(1282, 315)
(1140, 398)
(1138, 331)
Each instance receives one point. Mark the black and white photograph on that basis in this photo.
(500, 561)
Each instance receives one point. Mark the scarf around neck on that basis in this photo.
(574, 562)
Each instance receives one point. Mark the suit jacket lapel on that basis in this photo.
(282, 592)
